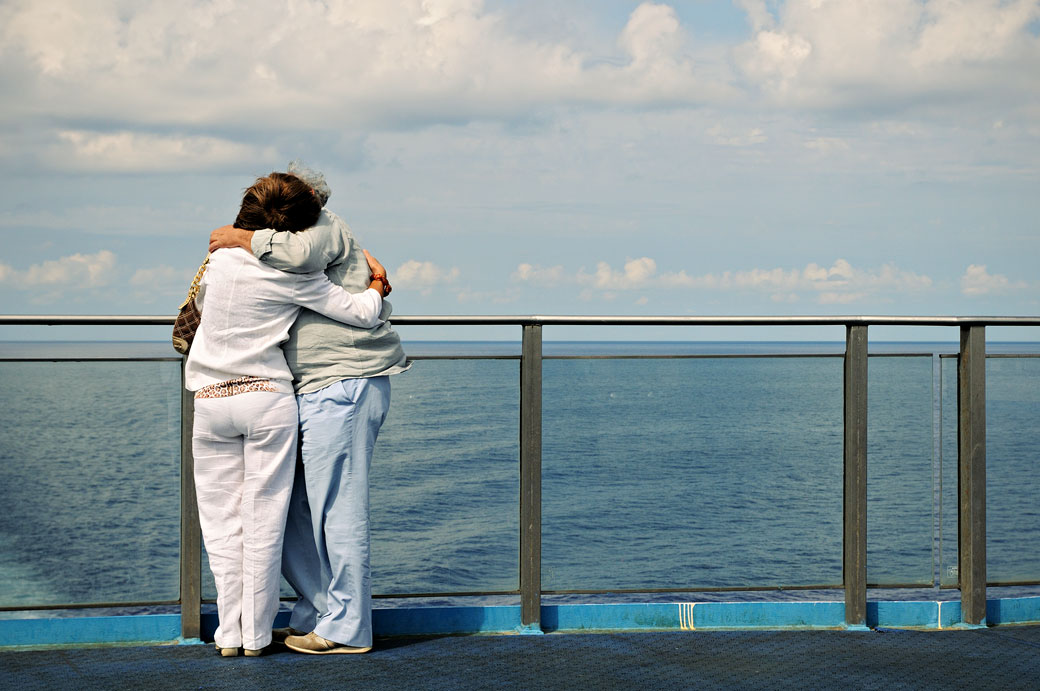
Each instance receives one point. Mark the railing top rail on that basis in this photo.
(718, 320)
(571, 320)
(86, 320)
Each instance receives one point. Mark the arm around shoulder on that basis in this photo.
(314, 249)
(316, 292)
(230, 236)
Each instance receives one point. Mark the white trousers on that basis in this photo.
(245, 453)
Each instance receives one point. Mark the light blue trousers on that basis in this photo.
(326, 551)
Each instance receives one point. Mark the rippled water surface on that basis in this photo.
(657, 473)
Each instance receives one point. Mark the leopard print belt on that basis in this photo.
(233, 387)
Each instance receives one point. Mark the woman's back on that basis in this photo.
(247, 309)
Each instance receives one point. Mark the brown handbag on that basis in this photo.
(190, 316)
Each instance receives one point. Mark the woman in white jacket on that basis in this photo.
(246, 419)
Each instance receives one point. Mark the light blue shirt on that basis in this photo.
(321, 351)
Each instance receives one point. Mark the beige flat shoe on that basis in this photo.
(313, 644)
(227, 652)
(249, 652)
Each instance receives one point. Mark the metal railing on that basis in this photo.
(971, 439)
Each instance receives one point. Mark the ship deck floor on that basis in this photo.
(1006, 657)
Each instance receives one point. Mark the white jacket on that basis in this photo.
(247, 309)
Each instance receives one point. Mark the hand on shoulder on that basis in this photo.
(230, 236)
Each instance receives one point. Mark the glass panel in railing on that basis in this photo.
(444, 482)
(89, 482)
(899, 471)
(692, 473)
(947, 520)
(1012, 470)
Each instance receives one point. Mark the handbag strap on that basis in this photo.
(193, 291)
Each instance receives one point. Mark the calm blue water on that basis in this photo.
(657, 473)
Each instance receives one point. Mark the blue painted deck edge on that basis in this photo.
(914, 614)
(435, 620)
(418, 621)
(632, 616)
(138, 628)
(1012, 610)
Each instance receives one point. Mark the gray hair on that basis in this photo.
(313, 178)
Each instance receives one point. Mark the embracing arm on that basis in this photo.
(324, 244)
(303, 252)
(230, 236)
(316, 292)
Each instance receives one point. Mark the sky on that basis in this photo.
(754, 157)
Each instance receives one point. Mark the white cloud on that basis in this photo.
(423, 276)
(652, 34)
(976, 280)
(826, 145)
(266, 64)
(162, 279)
(154, 86)
(74, 271)
(839, 298)
(497, 297)
(654, 41)
(635, 273)
(680, 279)
(125, 216)
(723, 137)
(841, 283)
(843, 52)
(758, 14)
(83, 150)
(774, 59)
(537, 274)
(975, 31)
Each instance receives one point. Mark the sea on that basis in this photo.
(666, 467)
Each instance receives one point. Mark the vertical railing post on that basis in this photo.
(191, 534)
(531, 478)
(854, 558)
(971, 473)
